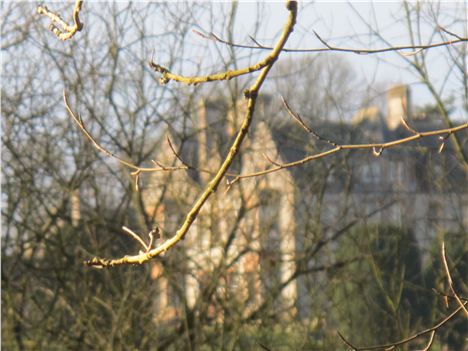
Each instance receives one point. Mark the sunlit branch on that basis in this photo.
(430, 342)
(251, 96)
(227, 75)
(153, 234)
(136, 237)
(66, 31)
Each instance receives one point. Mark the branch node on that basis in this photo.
(136, 174)
(270, 160)
(250, 94)
(407, 126)
(136, 237)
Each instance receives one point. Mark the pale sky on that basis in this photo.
(339, 23)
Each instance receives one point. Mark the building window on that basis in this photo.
(370, 173)
(396, 173)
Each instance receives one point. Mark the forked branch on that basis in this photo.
(328, 47)
(136, 169)
(226, 75)
(58, 26)
(251, 96)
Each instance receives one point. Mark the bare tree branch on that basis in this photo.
(358, 51)
(377, 148)
(79, 121)
(227, 75)
(299, 120)
(251, 95)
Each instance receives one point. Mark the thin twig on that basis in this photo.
(443, 29)
(136, 237)
(407, 126)
(255, 41)
(259, 46)
(197, 32)
(154, 233)
(299, 120)
(264, 347)
(270, 160)
(431, 340)
(176, 154)
(79, 121)
(450, 281)
(392, 345)
(295, 116)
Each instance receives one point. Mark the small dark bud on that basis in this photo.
(250, 94)
(292, 6)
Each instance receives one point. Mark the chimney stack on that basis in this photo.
(398, 105)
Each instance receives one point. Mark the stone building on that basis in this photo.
(265, 225)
